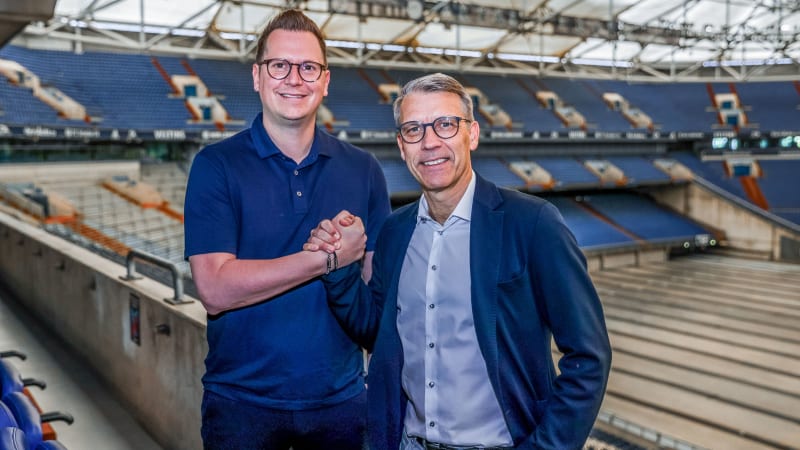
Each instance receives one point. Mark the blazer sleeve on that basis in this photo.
(355, 305)
(571, 308)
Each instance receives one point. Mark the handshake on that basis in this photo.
(343, 235)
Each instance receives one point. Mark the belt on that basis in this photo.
(428, 445)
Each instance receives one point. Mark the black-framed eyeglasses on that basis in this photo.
(445, 127)
(279, 68)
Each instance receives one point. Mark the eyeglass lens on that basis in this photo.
(444, 127)
(280, 68)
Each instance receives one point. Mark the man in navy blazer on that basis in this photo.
(469, 285)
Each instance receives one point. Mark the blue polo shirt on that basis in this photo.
(245, 197)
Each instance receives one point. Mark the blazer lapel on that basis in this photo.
(486, 238)
(401, 236)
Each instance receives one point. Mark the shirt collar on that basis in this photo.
(463, 209)
(266, 148)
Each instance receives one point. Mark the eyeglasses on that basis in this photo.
(279, 68)
(445, 127)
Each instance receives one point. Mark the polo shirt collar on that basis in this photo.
(266, 148)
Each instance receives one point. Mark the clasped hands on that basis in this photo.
(344, 235)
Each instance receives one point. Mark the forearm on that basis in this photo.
(226, 283)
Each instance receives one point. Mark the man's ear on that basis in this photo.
(256, 80)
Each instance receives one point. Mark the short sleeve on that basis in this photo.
(210, 219)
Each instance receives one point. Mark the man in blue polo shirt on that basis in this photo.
(280, 371)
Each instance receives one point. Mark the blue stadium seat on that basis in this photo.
(517, 100)
(568, 173)
(398, 179)
(639, 170)
(590, 230)
(589, 102)
(7, 418)
(13, 438)
(497, 172)
(28, 417)
(11, 380)
(644, 218)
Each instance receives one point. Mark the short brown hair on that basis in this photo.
(291, 20)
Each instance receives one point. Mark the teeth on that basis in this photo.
(434, 162)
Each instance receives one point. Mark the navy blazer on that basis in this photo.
(529, 282)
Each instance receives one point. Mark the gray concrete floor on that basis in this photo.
(101, 422)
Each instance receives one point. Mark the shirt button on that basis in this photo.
(433, 267)
(299, 194)
(431, 306)
(431, 424)
(296, 173)
(431, 384)
(431, 344)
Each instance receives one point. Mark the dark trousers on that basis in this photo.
(231, 425)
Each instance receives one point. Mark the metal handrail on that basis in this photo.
(177, 275)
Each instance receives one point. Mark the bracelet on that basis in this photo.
(332, 263)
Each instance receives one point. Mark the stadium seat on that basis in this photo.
(28, 417)
(6, 417)
(13, 438)
(11, 380)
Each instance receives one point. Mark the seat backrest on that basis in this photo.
(6, 417)
(10, 378)
(13, 438)
(28, 417)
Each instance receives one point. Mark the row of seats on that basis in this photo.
(127, 91)
(22, 425)
(774, 179)
(554, 173)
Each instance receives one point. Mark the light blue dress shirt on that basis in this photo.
(451, 400)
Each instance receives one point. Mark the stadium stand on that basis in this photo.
(620, 199)
(713, 171)
(170, 180)
(642, 218)
(591, 230)
(498, 172)
(357, 102)
(398, 180)
(639, 170)
(589, 102)
(773, 106)
(783, 197)
(518, 101)
(568, 173)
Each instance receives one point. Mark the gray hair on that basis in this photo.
(437, 82)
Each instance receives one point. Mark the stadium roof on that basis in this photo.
(655, 40)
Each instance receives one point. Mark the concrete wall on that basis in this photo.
(82, 299)
(597, 260)
(744, 228)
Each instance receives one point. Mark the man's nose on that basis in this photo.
(430, 138)
(294, 75)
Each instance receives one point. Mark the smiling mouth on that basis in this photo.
(291, 95)
(434, 162)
